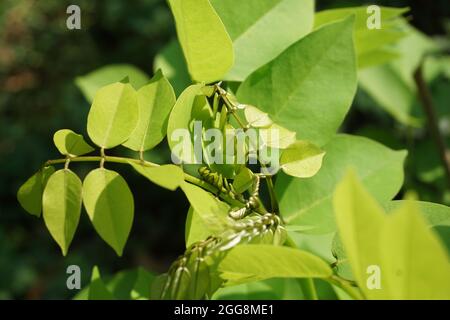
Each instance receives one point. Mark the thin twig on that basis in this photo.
(430, 111)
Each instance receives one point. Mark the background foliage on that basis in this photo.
(39, 60)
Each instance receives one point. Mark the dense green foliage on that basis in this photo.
(236, 235)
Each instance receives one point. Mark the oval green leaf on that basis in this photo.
(29, 194)
(61, 204)
(90, 83)
(167, 176)
(261, 30)
(109, 203)
(71, 144)
(113, 115)
(301, 159)
(308, 88)
(212, 212)
(206, 44)
(380, 169)
(180, 120)
(246, 263)
(155, 101)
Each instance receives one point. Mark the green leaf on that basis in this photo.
(181, 117)
(256, 118)
(270, 289)
(61, 204)
(435, 214)
(167, 176)
(206, 44)
(301, 159)
(261, 30)
(170, 60)
(195, 228)
(360, 220)
(415, 263)
(71, 144)
(277, 136)
(155, 101)
(308, 88)
(113, 115)
(380, 169)
(368, 41)
(392, 85)
(97, 288)
(243, 180)
(110, 206)
(29, 194)
(93, 81)
(246, 263)
(211, 211)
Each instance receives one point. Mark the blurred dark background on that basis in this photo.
(39, 59)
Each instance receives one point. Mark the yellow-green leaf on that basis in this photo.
(211, 211)
(206, 44)
(415, 263)
(245, 263)
(61, 204)
(113, 115)
(71, 144)
(155, 101)
(109, 203)
(29, 194)
(301, 159)
(359, 219)
(167, 176)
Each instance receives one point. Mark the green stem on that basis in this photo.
(353, 292)
(187, 177)
(308, 288)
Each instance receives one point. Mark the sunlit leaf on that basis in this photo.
(256, 118)
(261, 30)
(167, 176)
(368, 41)
(93, 81)
(246, 263)
(360, 219)
(61, 204)
(415, 263)
(71, 144)
(211, 211)
(301, 159)
(179, 136)
(308, 88)
(206, 44)
(380, 170)
(155, 101)
(113, 115)
(29, 194)
(110, 206)
(243, 180)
